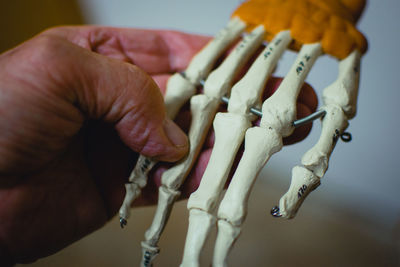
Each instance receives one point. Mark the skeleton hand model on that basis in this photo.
(311, 26)
(278, 115)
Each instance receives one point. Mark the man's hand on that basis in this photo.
(77, 105)
(70, 119)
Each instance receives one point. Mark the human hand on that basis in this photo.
(74, 107)
(70, 119)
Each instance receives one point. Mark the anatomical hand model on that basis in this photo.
(313, 27)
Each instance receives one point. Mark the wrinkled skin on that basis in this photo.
(77, 105)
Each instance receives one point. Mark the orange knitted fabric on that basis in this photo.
(331, 22)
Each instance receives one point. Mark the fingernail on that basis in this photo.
(175, 134)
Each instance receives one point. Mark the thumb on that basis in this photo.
(124, 95)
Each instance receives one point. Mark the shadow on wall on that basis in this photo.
(21, 19)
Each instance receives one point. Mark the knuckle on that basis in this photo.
(46, 49)
(49, 55)
(52, 31)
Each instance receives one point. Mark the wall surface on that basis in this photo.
(351, 220)
(22, 19)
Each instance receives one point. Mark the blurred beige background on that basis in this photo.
(351, 220)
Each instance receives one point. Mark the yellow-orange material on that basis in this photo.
(331, 22)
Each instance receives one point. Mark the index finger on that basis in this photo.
(154, 51)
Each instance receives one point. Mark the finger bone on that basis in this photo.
(200, 224)
(303, 182)
(150, 250)
(340, 102)
(202, 63)
(179, 90)
(333, 124)
(260, 145)
(203, 109)
(246, 93)
(344, 91)
(279, 110)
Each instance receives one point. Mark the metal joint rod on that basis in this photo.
(318, 114)
(297, 123)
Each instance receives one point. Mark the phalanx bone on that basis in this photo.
(180, 88)
(203, 107)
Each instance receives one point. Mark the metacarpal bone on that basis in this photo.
(220, 80)
(202, 63)
(246, 92)
(279, 110)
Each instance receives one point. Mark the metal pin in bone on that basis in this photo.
(297, 123)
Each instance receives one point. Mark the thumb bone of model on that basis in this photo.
(340, 100)
(180, 88)
(203, 109)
